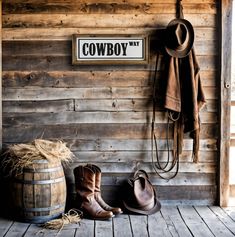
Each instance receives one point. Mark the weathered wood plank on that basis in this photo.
(17, 229)
(225, 99)
(101, 20)
(128, 156)
(139, 225)
(230, 211)
(11, 94)
(224, 218)
(105, 8)
(213, 223)
(121, 226)
(26, 133)
(103, 228)
(76, 93)
(174, 221)
(86, 105)
(108, 1)
(38, 106)
(68, 117)
(38, 230)
(83, 105)
(185, 179)
(82, 78)
(91, 78)
(135, 145)
(63, 63)
(130, 167)
(5, 226)
(85, 117)
(194, 222)
(157, 226)
(201, 33)
(206, 47)
(66, 233)
(86, 228)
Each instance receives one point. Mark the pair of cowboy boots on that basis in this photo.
(88, 182)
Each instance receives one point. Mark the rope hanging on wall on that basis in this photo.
(169, 165)
(184, 96)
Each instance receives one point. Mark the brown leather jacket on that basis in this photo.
(184, 95)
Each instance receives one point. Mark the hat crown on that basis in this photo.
(179, 36)
(143, 193)
(140, 195)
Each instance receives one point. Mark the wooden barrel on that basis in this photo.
(39, 193)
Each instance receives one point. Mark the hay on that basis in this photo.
(74, 216)
(20, 156)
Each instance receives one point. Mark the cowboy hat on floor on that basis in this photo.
(140, 196)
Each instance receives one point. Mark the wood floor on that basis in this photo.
(183, 221)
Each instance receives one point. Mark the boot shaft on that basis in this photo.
(97, 172)
(84, 179)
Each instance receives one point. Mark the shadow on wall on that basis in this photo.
(6, 194)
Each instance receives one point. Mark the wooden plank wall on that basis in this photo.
(104, 112)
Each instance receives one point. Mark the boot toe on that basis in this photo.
(117, 211)
(105, 215)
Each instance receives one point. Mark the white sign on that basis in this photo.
(110, 49)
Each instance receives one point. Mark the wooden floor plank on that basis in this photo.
(173, 219)
(157, 226)
(103, 228)
(17, 229)
(211, 220)
(121, 226)
(38, 230)
(139, 225)
(194, 222)
(230, 211)
(224, 217)
(86, 228)
(66, 233)
(4, 226)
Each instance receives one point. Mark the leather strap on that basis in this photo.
(168, 166)
(179, 11)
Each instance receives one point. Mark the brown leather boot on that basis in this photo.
(98, 198)
(85, 186)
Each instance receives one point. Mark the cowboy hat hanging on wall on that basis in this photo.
(179, 38)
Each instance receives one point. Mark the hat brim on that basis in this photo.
(156, 207)
(180, 53)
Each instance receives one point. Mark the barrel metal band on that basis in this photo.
(47, 170)
(50, 181)
(39, 209)
(41, 219)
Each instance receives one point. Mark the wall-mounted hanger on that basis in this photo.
(179, 10)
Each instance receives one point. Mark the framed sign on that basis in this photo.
(110, 49)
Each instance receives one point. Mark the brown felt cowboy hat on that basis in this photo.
(140, 196)
(179, 38)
